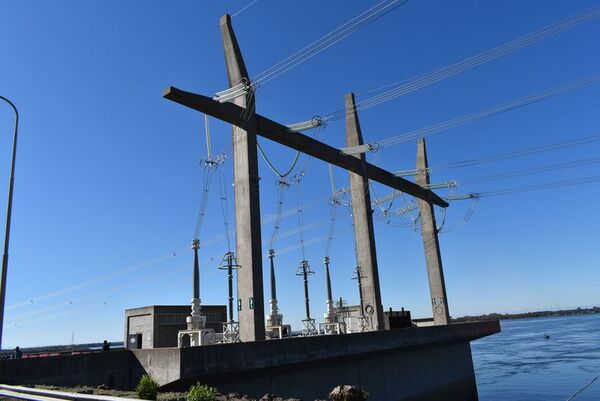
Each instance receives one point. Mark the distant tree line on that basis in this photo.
(505, 316)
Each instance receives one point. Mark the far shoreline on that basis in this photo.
(525, 315)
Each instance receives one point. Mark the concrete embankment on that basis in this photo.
(428, 363)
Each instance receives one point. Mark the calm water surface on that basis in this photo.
(519, 364)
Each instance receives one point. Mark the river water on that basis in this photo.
(520, 364)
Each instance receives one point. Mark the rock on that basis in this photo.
(273, 397)
(239, 397)
(85, 391)
(347, 393)
(102, 387)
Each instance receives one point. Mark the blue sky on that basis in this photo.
(108, 177)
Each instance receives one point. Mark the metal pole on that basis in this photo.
(306, 300)
(271, 254)
(8, 218)
(328, 278)
(230, 283)
(196, 275)
(360, 291)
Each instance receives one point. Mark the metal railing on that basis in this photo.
(38, 394)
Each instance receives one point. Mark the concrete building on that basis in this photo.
(351, 316)
(157, 326)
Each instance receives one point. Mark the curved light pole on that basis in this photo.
(8, 217)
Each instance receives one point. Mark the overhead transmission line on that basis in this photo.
(324, 42)
(89, 296)
(210, 165)
(526, 188)
(93, 296)
(398, 88)
(519, 153)
(94, 281)
(583, 388)
(531, 171)
(343, 31)
(334, 202)
(401, 88)
(475, 196)
(282, 186)
(224, 207)
(241, 10)
(540, 187)
(133, 268)
(462, 120)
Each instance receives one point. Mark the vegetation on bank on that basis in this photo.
(505, 316)
(147, 388)
(200, 392)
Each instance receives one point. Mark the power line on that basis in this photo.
(583, 388)
(300, 217)
(406, 86)
(530, 171)
(540, 187)
(272, 165)
(365, 18)
(244, 8)
(282, 186)
(462, 120)
(92, 296)
(519, 153)
(97, 280)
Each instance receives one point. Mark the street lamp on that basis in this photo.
(8, 217)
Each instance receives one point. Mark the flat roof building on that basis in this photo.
(157, 326)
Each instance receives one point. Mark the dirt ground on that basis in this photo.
(162, 396)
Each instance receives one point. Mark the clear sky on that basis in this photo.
(108, 179)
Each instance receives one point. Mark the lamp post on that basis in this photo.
(8, 218)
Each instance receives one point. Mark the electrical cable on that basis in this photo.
(462, 120)
(365, 18)
(530, 171)
(519, 153)
(272, 165)
(333, 204)
(224, 207)
(244, 8)
(539, 187)
(406, 86)
(583, 388)
(300, 216)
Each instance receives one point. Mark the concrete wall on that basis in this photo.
(118, 369)
(404, 363)
(442, 372)
(417, 364)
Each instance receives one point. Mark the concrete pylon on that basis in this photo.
(247, 204)
(429, 233)
(363, 224)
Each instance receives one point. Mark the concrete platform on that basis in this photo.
(428, 363)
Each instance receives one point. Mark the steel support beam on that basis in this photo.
(247, 203)
(429, 233)
(363, 223)
(279, 133)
